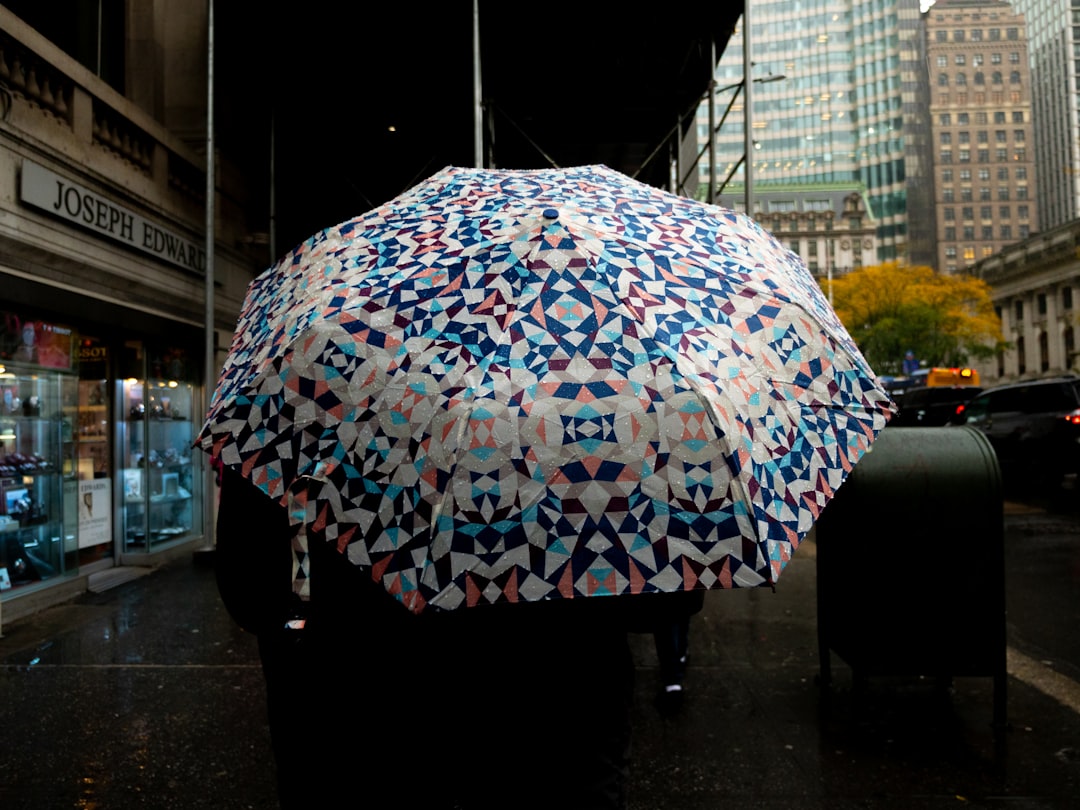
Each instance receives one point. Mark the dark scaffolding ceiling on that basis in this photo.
(368, 102)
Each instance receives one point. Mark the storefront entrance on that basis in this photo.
(96, 432)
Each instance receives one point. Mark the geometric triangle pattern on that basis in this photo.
(530, 385)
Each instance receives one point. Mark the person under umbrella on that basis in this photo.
(521, 400)
(523, 706)
(671, 637)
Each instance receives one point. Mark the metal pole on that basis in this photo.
(712, 123)
(478, 92)
(676, 171)
(98, 57)
(273, 193)
(727, 179)
(210, 372)
(748, 106)
(720, 125)
(828, 266)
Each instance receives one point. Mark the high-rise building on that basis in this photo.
(981, 129)
(835, 121)
(1053, 28)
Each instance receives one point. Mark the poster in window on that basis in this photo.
(95, 512)
(35, 342)
(133, 485)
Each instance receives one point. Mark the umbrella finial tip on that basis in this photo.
(551, 213)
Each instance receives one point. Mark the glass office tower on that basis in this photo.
(1053, 28)
(836, 118)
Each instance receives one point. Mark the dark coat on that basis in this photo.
(459, 709)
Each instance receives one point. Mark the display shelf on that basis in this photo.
(159, 477)
(32, 460)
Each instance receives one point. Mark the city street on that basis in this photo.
(148, 696)
(1042, 578)
(717, 294)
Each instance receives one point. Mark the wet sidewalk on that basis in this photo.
(148, 696)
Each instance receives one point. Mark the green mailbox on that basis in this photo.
(910, 561)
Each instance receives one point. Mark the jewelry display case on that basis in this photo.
(159, 483)
(36, 464)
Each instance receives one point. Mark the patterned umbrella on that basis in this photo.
(532, 385)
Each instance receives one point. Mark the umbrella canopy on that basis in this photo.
(531, 385)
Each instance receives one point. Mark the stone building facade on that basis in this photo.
(830, 227)
(1036, 287)
(103, 297)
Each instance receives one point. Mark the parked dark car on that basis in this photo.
(931, 406)
(1034, 427)
(896, 386)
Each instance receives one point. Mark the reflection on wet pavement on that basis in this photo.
(149, 696)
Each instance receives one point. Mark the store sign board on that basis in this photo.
(60, 197)
(93, 357)
(40, 343)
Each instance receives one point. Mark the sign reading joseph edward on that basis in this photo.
(60, 197)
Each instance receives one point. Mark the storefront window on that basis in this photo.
(92, 433)
(37, 540)
(161, 492)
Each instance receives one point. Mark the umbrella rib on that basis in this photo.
(483, 367)
(459, 435)
(696, 388)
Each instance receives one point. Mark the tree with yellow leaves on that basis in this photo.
(946, 320)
